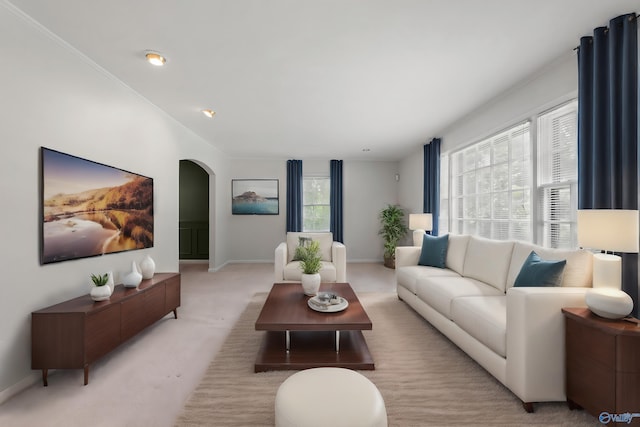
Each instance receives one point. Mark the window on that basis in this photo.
(557, 176)
(520, 184)
(491, 186)
(316, 210)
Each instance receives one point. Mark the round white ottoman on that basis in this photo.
(335, 397)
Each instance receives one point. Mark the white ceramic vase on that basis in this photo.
(147, 267)
(133, 278)
(101, 293)
(111, 283)
(310, 284)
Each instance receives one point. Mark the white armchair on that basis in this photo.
(334, 258)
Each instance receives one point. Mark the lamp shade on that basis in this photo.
(614, 230)
(421, 222)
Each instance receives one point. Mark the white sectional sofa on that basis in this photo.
(515, 333)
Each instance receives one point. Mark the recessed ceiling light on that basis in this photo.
(209, 113)
(156, 59)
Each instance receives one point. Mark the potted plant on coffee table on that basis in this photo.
(310, 262)
(393, 228)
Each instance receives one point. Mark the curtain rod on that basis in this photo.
(635, 16)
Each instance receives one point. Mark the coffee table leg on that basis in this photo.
(287, 339)
(337, 341)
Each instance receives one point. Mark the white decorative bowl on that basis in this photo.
(609, 303)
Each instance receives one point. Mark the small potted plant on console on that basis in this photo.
(101, 290)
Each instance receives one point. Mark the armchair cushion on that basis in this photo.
(292, 271)
(325, 240)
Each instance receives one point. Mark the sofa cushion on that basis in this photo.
(434, 250)
(456, 252)
(439, 292)
(488, 261)
(293, 272)
(577, 272)
(325, 240)
(408, 276)
(538, 272)
(484, 318)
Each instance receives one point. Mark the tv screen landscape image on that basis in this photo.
(91, 209)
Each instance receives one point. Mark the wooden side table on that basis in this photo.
(602, 364)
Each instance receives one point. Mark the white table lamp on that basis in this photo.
(420, 224)
(614, 230)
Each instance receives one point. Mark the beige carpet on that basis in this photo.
(423, 377)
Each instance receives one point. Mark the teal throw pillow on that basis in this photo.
(538, 272)
(434, 250)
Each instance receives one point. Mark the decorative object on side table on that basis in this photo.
(133, 278)
(392, 230)
(147, 267)
(308, 253)
(101, 290)
(614, 230)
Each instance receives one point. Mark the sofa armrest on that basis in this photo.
(407, 255)
(280, 261)
(339, 259)
(536, 340)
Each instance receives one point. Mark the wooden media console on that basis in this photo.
(76, 333)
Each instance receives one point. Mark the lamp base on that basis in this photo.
(609, 303)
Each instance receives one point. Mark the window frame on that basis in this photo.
(536, 186)
(305, 224)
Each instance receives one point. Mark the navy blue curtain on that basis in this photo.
(294, 195)
(336, 200)
(431, 187)
(608, 126)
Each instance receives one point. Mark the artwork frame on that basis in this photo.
(255, 197)
(89, 209)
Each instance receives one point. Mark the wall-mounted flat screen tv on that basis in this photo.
(90, 209)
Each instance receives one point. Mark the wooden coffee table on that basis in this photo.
(298, 337)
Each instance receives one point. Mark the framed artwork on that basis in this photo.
(254, 197)
(91, 209)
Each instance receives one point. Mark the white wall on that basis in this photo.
(367, 188)
(552, 85)
(52, 96)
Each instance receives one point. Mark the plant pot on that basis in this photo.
(310, 284)
(100, 293)
(390, 262)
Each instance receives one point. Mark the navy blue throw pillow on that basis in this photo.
(434, 250)
(538, 272)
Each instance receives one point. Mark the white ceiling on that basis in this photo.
(322, 78)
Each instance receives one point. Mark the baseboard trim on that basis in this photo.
(21, 385)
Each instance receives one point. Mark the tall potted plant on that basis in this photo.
(310, 262)
(393, 228)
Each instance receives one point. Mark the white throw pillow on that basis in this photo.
(325, 240)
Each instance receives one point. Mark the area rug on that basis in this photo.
(424, 379)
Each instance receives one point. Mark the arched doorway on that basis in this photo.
(195, 208)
